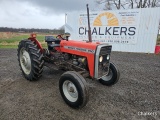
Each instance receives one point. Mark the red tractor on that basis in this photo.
(78, 58)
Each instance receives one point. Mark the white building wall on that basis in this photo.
(147, 31)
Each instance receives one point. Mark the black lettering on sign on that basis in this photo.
(132, 31)
(115, 31)
(81, 30)
(100, 31)
(123, 30)
(107, 31)
(94, 31)
(86, 31)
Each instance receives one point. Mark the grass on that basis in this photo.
(14, 41)
(19, 38)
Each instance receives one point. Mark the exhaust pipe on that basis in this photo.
(89, 27)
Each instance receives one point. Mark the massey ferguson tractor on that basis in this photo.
(80, 60)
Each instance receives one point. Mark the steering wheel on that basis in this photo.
(59, 37)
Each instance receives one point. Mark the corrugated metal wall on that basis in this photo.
(147, 33)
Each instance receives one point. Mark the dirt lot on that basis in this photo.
(135, 96)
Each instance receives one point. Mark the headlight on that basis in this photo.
(108, 57)
(100, 58)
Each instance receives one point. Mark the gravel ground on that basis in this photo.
(135, 97)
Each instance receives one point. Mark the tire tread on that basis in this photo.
(37, 61)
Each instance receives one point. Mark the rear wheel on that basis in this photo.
(112, 77)
(30, 59)
(73, 89)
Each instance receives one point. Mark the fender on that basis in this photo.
(33, 38)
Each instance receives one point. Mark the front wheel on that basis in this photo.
(73, 89)
(112, 77)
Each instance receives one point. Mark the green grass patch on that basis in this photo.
(19, 38)
(13, 42)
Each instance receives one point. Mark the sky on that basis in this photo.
(47, 14)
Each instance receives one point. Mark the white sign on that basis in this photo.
(133, 30)
(111, 27)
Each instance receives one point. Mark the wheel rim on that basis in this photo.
(70, 91)
(108, 77)
(25, 61)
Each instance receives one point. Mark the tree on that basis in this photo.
(119, 4)
(107, 6)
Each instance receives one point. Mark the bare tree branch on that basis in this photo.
(119, 4)
(128, 4)
(154, 3)
(115, 4)
(132, 4)
(144, 3)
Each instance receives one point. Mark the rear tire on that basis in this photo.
(112, 77)
(73, 89)
(30, 60)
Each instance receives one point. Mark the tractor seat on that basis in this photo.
(50, 39)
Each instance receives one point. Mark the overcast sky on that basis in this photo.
(38, 13)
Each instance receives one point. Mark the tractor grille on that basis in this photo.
(105, 50)
(103, 67)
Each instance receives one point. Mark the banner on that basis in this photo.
(119, 27)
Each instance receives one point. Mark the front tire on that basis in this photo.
(73, 89)
(112, 77)
(30, 60)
